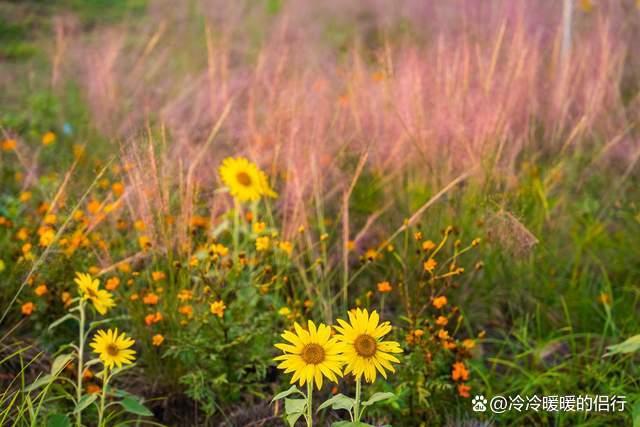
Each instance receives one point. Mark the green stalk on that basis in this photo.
(309, 403)
(236, 228)
(356, 407)
(80, 361)
(103, 396)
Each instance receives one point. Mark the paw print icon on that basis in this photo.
(479, 403)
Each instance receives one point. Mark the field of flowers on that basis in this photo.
(336, 213)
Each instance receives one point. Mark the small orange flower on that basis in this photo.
(187, 310)
(9, 144)
(468, 344)
(150, 299)
(117, 188)
(41, 290)
(48, 138)
(442, 321)
(27, 308)
(427, 245)
(112, 283)
(463, 390)
(384, 287)
(93, 388)
(66, 298)
(93, 207)
(87, 374)
(144, 242)
(185, 295)
(153, 318)
(157, 340)
(218, 308)
(286, 247)
(430, 265)
(443, 334)
(439, 302)
(158, 276)
(459, 372)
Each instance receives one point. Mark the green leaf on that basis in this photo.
(85, 401)
(59, 363)
(134, 406)
(43, 380)
(61, 320)
(292, 406)
(58, 420)
(378, 397)
(292, 418)
(289, 392)
(339, 401)
(635, 414)
(631, 345)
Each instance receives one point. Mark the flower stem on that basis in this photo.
(309, 403)
(236, 228)
(356, 407)
(103, 395)
(80, 362)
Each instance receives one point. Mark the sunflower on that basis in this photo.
(364, 352)
(89, 287)
(112, 348)
(245, 180)
(311, 354)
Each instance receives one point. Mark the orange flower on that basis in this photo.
(87, 374)
(117, 188)
(430, 265)
(217, 308)
(48, 138)
(187, 310)
(93, 388)
(41, 290)
(66, 298)
(144, 242)
(459, 372)
(439, 302)
(384, 287)
(443, 334)
(112, 283)
(442, 321)
(93, 207)
(427, 245)
(157, 340)
(150, 299)
(9, 144)
(463, 390)
(27, 308)
(185, 295)
(158, 275)
(152, 318)
(468, 344)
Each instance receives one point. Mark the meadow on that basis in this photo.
(336, 213)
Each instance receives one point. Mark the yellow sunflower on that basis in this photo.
(364, 352)
(89, 288)
(311, 354)
(112, 348)
(245, 180)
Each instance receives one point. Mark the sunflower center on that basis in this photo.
(313, 354)
(243, 178)
(91, 293)
(112, 350)
(365, 345)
